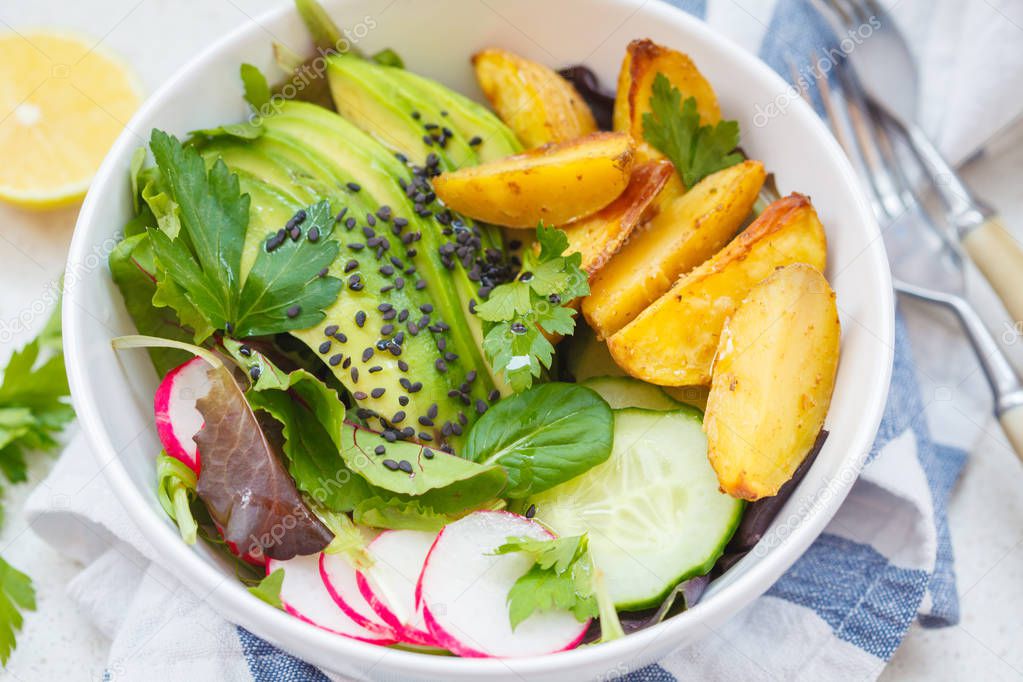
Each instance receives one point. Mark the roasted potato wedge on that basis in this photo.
(598, 237)
(644, 59)
(687, 229)
(672, 342)
(556, 183)
(773, 376)
(537, 104)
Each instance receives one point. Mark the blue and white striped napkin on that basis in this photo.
(839, 613)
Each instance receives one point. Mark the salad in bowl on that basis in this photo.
(491, 381)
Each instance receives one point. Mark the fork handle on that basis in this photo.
(1000, 259)
(1012, 423)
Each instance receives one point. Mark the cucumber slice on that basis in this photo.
(624, 392)
(653, 511)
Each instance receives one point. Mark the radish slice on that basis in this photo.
(338, 577)
(464, 588)
(177, 419)
(304, 596)
(389, 585)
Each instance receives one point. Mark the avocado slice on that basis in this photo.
(416, 116)
(406, 354)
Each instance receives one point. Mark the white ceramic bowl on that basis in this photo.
(113, 392)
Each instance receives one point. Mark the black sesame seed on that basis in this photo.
(476, 140)
(363, 413)
(398, 417)
(360, 318)
(494, 395)
(423, 435)
(403, 400)
(356, 246)
(371, 219)
(446, 429)
(420, 285)
(360, 395)
(379, 450)
(293, 311)
(323, 272)
(387, 329)
(355, 375)
(254, 372)
(405, 382)
(408, 432)
(341, 338)
(347, 363)
(314, 234)
(416, 115)
(340, 214)
(462, 418)
(440, 365)
(386, 270)
(377, 392)
(395, 349)
(350, 223)
(405, 465)
(351, 265)
(481, 406)
(335, 360)
(416, 387)
(324, 347)
(426, 421)
(518, 328)
(390, 435)
(456, 429)
(355, 283)
(427, 453)
(354, 186)
(531, 512)
(390, 464)
(367, 354)
(470, 376)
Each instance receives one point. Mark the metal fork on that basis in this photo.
(882, 60)
(925, 264)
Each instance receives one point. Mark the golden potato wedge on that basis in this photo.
(556, 183)
(537, 104)
(672, 342)
(644, 59)
(598, 237)
(773, 376)
(688, 228)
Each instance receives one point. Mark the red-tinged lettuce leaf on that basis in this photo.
(244, 484)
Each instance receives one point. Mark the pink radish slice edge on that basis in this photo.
(463, 592)
(339, 578)
(389, 585)
(305, 596)
(177, 419)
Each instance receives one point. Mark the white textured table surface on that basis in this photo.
(157, 36)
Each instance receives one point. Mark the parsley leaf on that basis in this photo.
(673, 127)
(560, 579)
(257, 90)
(16, 595)
(199, 272)
(518, 314)
(33, 408)
(269, 588)
(33, 404)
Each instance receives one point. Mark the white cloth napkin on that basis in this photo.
(842, 609)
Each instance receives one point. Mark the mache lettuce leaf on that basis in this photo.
(544, 436)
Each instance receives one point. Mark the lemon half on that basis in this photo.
(63, 102)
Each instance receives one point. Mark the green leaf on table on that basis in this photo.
(33, 400)
(16, 595)
(543, 436)
(269, 588)
(673, 127)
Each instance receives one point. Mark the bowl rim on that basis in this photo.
(230, 599)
